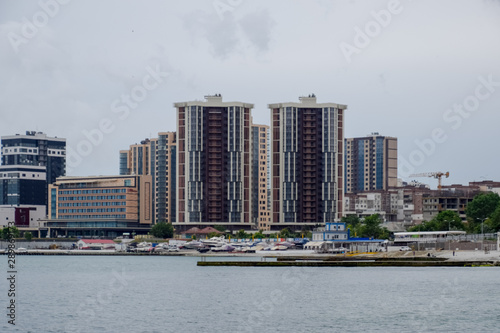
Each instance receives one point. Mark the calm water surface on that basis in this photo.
(172, 294)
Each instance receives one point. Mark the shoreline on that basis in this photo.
(431, 258)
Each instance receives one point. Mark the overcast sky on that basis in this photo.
(426, 72)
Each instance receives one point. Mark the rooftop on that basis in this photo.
(213, 101)
(307, 102)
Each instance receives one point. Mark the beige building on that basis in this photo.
(100, 205)
(138, 158)
(371, 163)
(260, 177)
(155, 157)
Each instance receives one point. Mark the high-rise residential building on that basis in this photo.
(213, 162)
(29, 163)
(307, 140)
(100, 206)
(260, 176)
(165, 148)
(155, 157)
(36, 149)
(371, 163)
(140, 159)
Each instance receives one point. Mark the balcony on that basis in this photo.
(214, 174)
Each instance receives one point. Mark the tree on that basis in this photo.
(285, 233)
(351, 220)
(10, 232)
(424, 226)
(371, 227)
(241, 234)
(259, 235)
(493, 223)
(444, 221)
(29, 236)
(163, 230)
(480, 208)
(448, 220)
(220, 228)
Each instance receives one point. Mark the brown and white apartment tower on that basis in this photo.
(307, 146)
(213, 162)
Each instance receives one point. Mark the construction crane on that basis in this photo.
(436, 175)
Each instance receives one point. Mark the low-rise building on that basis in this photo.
(331, 231)
(334, 237)
(412, 203)
(100, 206)
(363, 204)
(23, 216)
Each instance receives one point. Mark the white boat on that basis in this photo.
(215, 241)
(224, 248)
(193, 245)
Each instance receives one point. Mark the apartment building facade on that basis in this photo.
(213, 162)
(371, 163)
(155, 157)
(29, 163)
(260, 177)
(36, 149)
(307, 157)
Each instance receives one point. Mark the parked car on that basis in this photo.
(404, 248)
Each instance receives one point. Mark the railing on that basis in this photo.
(472, 237)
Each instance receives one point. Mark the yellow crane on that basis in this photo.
(436, 175)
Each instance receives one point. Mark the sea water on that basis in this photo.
(172, 294)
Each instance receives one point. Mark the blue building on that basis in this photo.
(370, 163)
(335, 237)
(333, 231)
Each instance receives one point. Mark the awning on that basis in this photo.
(313, 244)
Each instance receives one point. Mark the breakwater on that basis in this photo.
(358, 262)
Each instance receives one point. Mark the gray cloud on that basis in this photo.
(220, 34)
(257, 27)
(230, 34)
